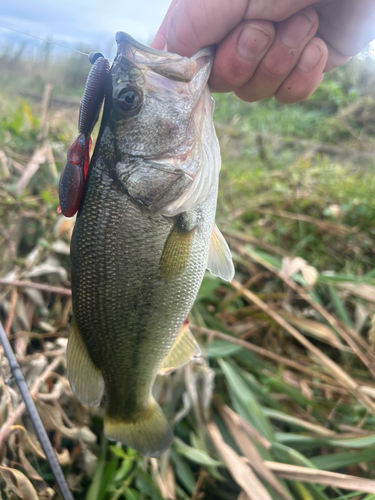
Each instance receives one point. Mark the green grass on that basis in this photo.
(297, 181)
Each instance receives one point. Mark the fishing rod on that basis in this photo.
(34, 415)
(44, 40)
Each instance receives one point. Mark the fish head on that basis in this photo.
(160, 105)
(154, 96)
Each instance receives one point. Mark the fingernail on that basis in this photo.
(310, 57)
(252, 41)
(295, 30)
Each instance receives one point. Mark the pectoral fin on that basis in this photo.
(85, 378)
(176, 252)
(184, 348)
(219, 258)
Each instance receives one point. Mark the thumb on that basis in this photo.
(160, 39)
(191, 25)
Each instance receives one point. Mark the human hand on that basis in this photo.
(271, 47)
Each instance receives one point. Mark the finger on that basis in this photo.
(306, 76)
(334, 58)
(239, 54)
(276, 11)
(346, 25)
(160, 40)
(291, 38)
(194, 24)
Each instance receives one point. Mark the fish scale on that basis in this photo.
(120, 265)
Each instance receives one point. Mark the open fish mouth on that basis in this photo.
(122, 37)
(168, 64)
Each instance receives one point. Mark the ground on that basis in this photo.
(282, 403)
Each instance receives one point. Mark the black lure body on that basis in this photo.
(73, 176)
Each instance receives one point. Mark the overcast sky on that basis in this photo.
(72, 22)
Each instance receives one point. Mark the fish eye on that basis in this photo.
(128, 98)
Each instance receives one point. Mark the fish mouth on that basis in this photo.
(122, 37)
(168, 64)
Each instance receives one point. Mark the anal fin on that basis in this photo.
(220, 261)
(183, 350)
(85, 378)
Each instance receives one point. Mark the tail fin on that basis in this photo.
(149, 432)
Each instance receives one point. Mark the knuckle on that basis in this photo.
(249, 94)
(292, 92)
(232, 75)
(276, 70)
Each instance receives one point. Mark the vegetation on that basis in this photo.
(282, 403)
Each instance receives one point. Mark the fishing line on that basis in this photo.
(44, 40)
(34, 415)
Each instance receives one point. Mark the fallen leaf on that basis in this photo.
(362, 290)
(234, 423)
(292, 265)
(310, 274)
(44, 491)
(164, 481)
(47, 268)
(18, 483)
(344, 481)
(52, 420)
(241, 472)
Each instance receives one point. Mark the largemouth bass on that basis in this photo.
(144, 235)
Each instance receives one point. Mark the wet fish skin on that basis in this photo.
(141, 241)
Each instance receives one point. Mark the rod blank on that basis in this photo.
(34, 415)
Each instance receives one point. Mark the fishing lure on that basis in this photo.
(74, 174)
